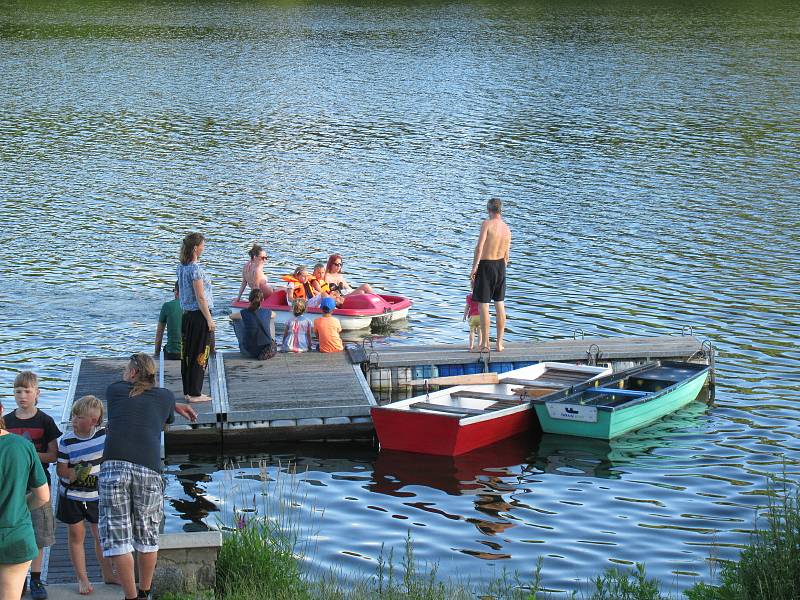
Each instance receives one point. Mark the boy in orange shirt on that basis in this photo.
(327, 328)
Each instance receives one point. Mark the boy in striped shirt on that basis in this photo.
(80, 453)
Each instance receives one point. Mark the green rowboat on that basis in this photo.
(622, 402)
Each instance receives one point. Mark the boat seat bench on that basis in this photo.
(618, 392)
(539, 383)
(452, 410)
(485, 396)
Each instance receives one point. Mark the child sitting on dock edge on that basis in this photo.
(327, 328)
(297, 333)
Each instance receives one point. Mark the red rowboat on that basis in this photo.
(456, 420)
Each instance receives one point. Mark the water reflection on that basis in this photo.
(608, 459)
(454, 475)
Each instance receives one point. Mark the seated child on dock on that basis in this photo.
(80, 453)
(327, 328)
(297, 333)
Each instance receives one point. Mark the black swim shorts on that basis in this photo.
(490, 281)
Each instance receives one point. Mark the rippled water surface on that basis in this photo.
(647, 154)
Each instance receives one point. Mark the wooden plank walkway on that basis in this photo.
(291, 396)
(94, 375)
(295, 396)
(601, 349)
(59, 566)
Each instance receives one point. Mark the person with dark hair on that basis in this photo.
(336, 281)
(197, 327)
(253, 273)
(21, 472)
(130, 485)
(489, 272)
(170, 317)
(258, 328)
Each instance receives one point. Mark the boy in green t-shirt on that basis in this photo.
(170, 316)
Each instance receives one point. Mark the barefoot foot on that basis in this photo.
(500, 348)
(200, 398)
(84, 587)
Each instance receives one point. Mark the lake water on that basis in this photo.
(647, 154)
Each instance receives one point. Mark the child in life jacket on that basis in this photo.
(301, 287)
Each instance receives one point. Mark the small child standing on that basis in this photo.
(79, 456)
(327, 328)
(472, 311)
(30, 422)
(297, 333)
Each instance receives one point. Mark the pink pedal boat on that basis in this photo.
(357, 312)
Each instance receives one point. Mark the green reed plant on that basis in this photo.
(616, 584)
(769, 567)
(262, 549)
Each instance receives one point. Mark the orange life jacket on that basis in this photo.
(304, 291)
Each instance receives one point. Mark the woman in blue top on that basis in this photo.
(197, 327)
(258, 328)
(20, 471)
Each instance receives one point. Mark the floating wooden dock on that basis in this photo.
(291, 396)
(314, 396)
(391, 367)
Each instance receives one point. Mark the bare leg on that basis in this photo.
(105, 563)
(364, 288)
(123, 563)
(485, 322)
(12, 578)
(266, 289)
(500, 313)
(36, 564)
(471, 338)
(147, 565)
(76, 532)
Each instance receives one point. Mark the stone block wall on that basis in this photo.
(187, 562)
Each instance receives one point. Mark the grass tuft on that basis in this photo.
(770, 565)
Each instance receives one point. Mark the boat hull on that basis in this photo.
(610, 424)
(423, 425)
(427, 433)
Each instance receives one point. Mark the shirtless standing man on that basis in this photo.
(489, 271)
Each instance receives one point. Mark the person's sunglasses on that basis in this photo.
(337, 264)
(263, 257)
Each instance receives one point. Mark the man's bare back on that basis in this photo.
(489, 272)
(498, 239)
